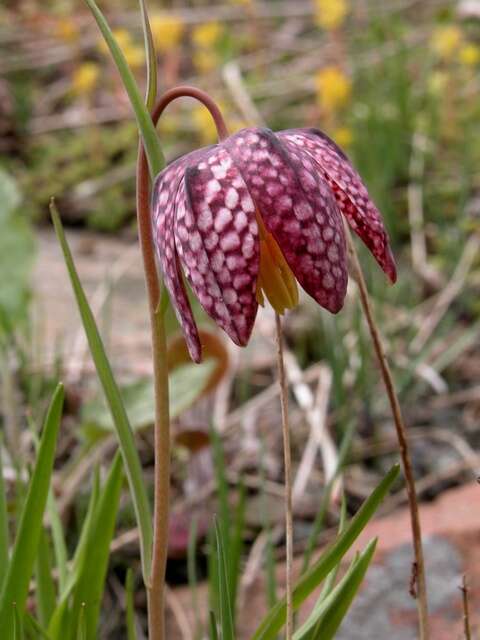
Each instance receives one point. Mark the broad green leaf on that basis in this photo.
(45, 593)
(153, 150)
(275, 619)
(20, 569)
(151, 56)
(130, 610)
(187, 383)
(88, 591)
(124, 431)
(4, 537)
(326, 618)
(226, 618)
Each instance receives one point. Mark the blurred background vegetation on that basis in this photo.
(395, 84)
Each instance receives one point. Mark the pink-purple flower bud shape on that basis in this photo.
(250, 217)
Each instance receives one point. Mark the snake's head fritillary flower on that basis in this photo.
(252, 216)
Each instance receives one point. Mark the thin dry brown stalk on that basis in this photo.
(466, 612)
(421, 584)
(288, 478)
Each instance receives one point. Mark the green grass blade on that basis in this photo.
(332, 576)
(236, 548)
(192, 574)
(58, 538)
(34, 629)
(151, 55)
(275, 619)
(4, 537)
(15, 588)
(129, 607)
(18, 632)
(88, 591)
(326, 620)
(125, 436)
(82, 624)
(213, 626)
(59, 625)
(46, 596)
(325, 502)
(226, 618)
(156, 160)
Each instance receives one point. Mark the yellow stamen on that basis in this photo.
(275, 278)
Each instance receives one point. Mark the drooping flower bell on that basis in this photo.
(248, 218)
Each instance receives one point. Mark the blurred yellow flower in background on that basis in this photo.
(123, 38)
(438, 82)
(134, 55)
(205, 60)
(204, 123)
(445, 41)
(343, 136)
(469, 55)
(330, 14)
(167, 31)
(67, 30)
(333, 88)
(85, 78)
(206, 35)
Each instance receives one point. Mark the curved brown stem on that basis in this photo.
(156, 586)
(185, 91)
(419, 566)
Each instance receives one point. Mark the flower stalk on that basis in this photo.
(419, 564)
(288, 477)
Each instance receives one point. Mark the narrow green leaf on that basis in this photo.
(236, 548)
(213, 626)
(151, 56)
(326, 497)
(4, 537)
(59, 624)
(156, 160)
(221, 484)
(58, 538)
(129, 606)
(33, 628)
(82, 624)
(326, 619)
(275, 619)
(125, 436)
(46, 597)
(226, 618)
(192, 574)
(18, 633)
(88, 591)
(332, 576)
(15, 588)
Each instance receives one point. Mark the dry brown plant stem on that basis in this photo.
(421, 585)
(466, 611)
(156, 586)
(288, 478)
